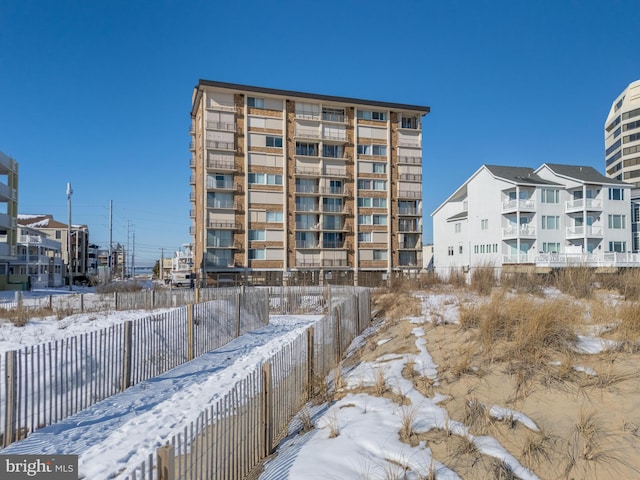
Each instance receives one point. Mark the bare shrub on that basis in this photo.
(626, 282)
(538, 448)
(408, 415)
(129, 286)
(457, 278)
(502, 471)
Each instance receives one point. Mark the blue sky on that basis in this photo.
(99, 93)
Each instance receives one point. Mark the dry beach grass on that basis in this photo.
(521, 348)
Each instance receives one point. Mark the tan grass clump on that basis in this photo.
(395, 306)
(483, 279)
(20, 315)
(531, 283)
(578, 282)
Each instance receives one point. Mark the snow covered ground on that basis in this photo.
(354, 437)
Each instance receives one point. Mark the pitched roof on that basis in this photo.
(519, 175)
(583, 173)
(39, 221)
(458, 216)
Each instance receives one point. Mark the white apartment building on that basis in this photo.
(39, 258)
(292, 187)
(555, 216)
(622, 149)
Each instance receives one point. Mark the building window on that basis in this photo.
(364, 237)
(409, 122)
(370, 202)
(255, 102)
(551, 247)
(58, 234)
(460, 249)
(273, 141)
(616, 194)
(370, 115)
(372, 184)
(550, 222)
(379, 254)
(450, 251)
(257, 253)
(379, 219)
(619, 247)
(333, 114)
(457, 227)
(265, 178)
(332, 151)
(617, 222)
(274, 217)
(375, 150)
(550, 195)
(306, 149)
(484, 224)
(379, 168)
(257, 235)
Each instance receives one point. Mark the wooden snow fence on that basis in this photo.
(230, 439)
(46, 383)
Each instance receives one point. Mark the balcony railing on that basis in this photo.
(307, 244)
(308, 171)
(331, 262)
(581, 203)
(409, 228)
(223, 126)
(333, 117)
(335, 172)
(308, 226)
(333, 244)
(224, 205)
(334, 191)
(216, 145)
(409, 194)
(214, 224)
(221, 185)
(410, 211)
(307, 189)
(589, 231)
(307, 263)
(510, 205)
(333, 208)
(522, 232)
(410, 177)
(302, 133)
(410, 160)
(307, 208)
(335, 138)
(222, 165)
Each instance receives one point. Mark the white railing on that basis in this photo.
(519, 232)
(610, 259)
(518, 205)
(581, 203)
(589, 230)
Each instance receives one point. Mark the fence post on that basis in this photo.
(238, 300)
(190, 323)
(166, 463)
(336, 314)
(358, 320)
(310, 365)
(10, 407)
(153, 299)
(127, 354)
(82, 302)
(50, 302)
(115, 300)
(267, 406)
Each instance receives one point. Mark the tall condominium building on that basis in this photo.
(303, 188)
(622, 149)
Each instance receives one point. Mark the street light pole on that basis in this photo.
(70, 270)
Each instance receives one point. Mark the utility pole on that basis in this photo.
(133, 256)
(161, 272)
(69, 268)
(110, 262)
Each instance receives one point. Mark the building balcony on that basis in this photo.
(308, 189)
(590, 231)
(410, 211)
(225, 245)
(338, 191)
(334, 245)
(341, 138)
(307, 171)
(410, 177)
(304, 133)
(333, 117)
(404, 160)
(518, 205)
(307, 244)
(307, 263)
(340, 209)
(581, 204)
(192, 213)
(409, 228)
(222, 165)
(409, 143)
(192, 180)
(308, 226)
(331, 262)
(522, 232)
(216, 145)
(221, 126)
(409, 194)
(307, 208)
(225, 185)
(221, 108)
(224, 205)
(192, 146)
(218, 225)
(336, 228)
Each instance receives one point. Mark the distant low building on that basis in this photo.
(39, 259)
(79, 241)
